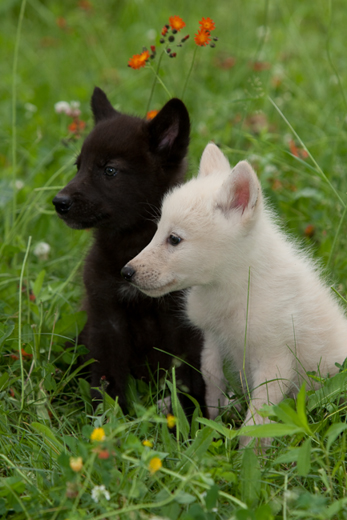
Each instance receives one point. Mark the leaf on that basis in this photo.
(332, 389)
(270, 430)
(250, 478)
(218, 427)
(333, 432)
(37, 286)
(182, 424)
(71, 323)
(5, 331)
(288, 457)
(301, 408)
(304, 458)
(48, 437)
(211, 497)
(4, 381)
(199, 447)
(184, 498)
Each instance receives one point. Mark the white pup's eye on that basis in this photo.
(174, 240)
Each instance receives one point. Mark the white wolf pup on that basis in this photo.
(258, 299)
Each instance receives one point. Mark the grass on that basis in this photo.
(272, 91)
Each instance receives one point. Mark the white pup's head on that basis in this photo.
(203, 224)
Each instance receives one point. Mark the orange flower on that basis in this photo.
(139, 60)
(76, 126)
(202, 38)
(176, 23)
(151, 114)
(297, 152)
(207, 24)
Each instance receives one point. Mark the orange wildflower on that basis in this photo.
(176, 23)
(297, 152)
(76, 126)
(309, 231)
(207, 24)
(202, 38)
(151, 114)
(139, 60)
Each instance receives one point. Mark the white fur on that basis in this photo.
(232, 252)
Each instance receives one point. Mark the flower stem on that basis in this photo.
(156, 77)
(20, 322)
(162, 83)
(189, 73)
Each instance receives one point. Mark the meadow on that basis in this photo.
(273, 91)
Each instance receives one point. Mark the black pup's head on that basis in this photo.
(125, 166)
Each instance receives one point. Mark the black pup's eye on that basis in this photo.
(110, 171)
(174, 240)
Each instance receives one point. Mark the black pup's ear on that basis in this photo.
(101, 107)
(169, 131)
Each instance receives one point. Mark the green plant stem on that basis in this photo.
(156, 77)
(20, 322)
(189, 73)
(245, 341)
(14, 119)
(337, 234)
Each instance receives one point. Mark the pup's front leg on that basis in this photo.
(212, 372)
(111, 350)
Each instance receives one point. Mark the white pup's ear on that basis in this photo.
(213, 160)
(241, 191)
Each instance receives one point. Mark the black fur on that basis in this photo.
(123, 325)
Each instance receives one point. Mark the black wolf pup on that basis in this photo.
(125, 167)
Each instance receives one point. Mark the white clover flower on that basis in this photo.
(74, 109)
(19, 184)
(41, 250)
(29, 107)
(99, 492)
(62, 107)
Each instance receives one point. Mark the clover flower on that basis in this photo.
(98, 435)
(76, 464)
(41, 250)
(154, 465)
(62, 107)
(99, 492)
(147, 443)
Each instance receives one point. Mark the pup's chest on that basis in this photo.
(211, 313)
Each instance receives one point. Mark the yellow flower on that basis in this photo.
(171, 420)
(147, 443)
(155, 465)
(98, 435)
(76, 463)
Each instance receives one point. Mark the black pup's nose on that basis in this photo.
(62, 203)
(127, 272)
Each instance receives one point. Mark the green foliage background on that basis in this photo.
(276, 75)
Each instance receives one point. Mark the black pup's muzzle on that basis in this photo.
(62, 204)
